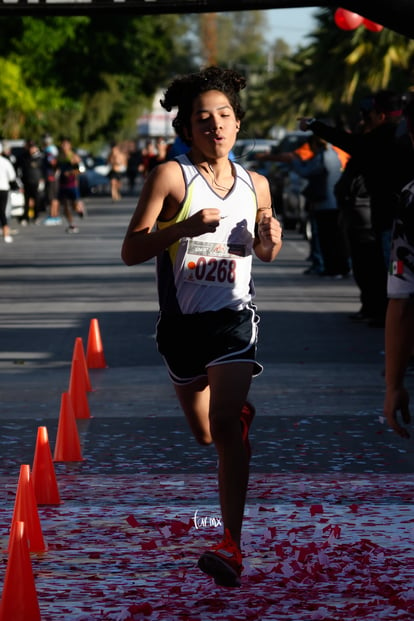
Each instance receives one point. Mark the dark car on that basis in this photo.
(93, 178)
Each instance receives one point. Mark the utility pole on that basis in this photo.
(208, 26)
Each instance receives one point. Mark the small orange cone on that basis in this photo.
(25, 510)
(77, 391)
(79, 354)
(19, 598)
(67, 447)
(95, 357)
(43, 472)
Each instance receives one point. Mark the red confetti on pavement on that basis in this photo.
(316, 509)
(125, 548)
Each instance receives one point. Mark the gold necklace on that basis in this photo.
(210, 171)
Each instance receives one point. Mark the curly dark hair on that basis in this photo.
(184, 89)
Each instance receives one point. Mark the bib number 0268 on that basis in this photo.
(219, 271)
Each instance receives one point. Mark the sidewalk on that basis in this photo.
(329, 524)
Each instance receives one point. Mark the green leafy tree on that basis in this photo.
(240, 42)
(87, 76)
(362, 60)
(16, 99)
(329, 76)
(229, 39)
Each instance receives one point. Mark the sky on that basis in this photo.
(292, 25)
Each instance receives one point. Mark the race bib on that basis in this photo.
(212, 263)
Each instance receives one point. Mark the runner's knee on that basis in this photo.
(224, 427)
(204, 439)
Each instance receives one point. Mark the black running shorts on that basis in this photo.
(191, 343)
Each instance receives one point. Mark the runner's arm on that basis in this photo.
(162, 195)
(268, 240)
(399, 343)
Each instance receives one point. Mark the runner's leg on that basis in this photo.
(194, 399)
(229, 387)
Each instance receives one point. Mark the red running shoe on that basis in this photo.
(246, 418)
(223, 562)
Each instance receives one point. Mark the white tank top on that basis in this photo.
(211, 271)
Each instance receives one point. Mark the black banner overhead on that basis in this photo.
(397, 15)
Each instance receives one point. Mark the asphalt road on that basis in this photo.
(328, 522)
(319, 398)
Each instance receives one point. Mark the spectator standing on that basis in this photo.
(50, 163)
(383, 160)
(399, 326)
(69, 192)
(149, 152)
(8, 153)
(133, 166)
(7, 179)
(117, 161)
(322, 172)
(160, 155)
(30, 169)
(318, 164)
(321, 167)
(368, 267)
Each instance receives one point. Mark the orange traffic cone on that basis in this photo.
(79, 354)
(77, 391)
(95, 357)
(19, 598)
(67, 447)
(25, 510)
(43, 472)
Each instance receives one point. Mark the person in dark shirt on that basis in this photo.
(69, 192)
(382, 157)
(50, 157)
(368, 267)
(30, 170)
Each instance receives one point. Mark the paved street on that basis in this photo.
(329, 523)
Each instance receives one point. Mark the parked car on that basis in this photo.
(100, 164)
(93, 177)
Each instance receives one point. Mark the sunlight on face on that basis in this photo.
(213, 123)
